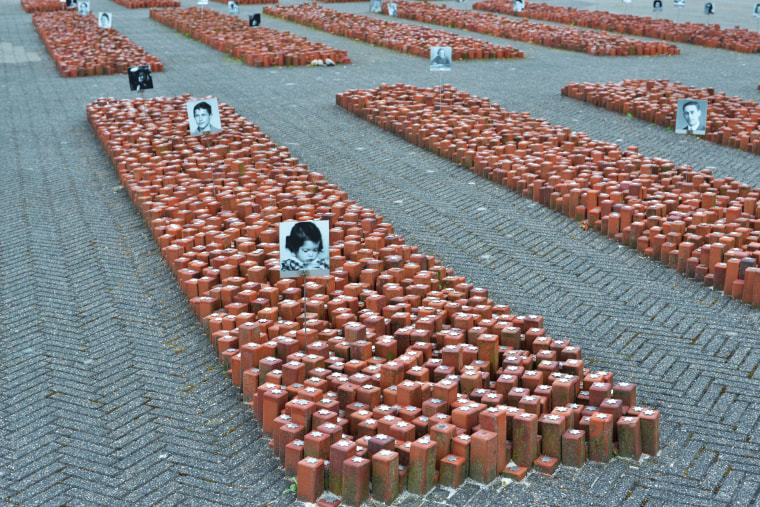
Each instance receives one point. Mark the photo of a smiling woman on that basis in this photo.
(304, 250)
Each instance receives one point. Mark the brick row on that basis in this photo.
(415, 40)
(42, 5)
(711, 35)
(731, 121)
(259, 46)
(250, 2)
(707, 228)
(144, 4)
(553, 36)
(389, 374)
(79, 48)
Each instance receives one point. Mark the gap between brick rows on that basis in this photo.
(80, 48)
(260, 46)
(730, 121)
(705, 227)
(560, 37)
(389, 374)
(412, 39)
(711, 35)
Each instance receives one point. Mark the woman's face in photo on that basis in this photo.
(308, 252)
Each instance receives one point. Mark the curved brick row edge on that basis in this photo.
(731, 121)
(391, 373)
(259, 46)
(559, 37)
(705, 227)
(144, 4)
(31, 6)
(252, 2)
(79, 48)
(415, 40)
(711, 36)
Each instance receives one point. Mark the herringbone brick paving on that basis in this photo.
(109, 393)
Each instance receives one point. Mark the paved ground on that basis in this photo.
(109, 393)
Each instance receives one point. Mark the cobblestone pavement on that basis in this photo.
(109, 393)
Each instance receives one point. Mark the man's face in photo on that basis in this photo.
(202, 118)
(691, 114)
(441, 54)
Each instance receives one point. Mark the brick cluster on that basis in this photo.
(42, 5)
(731, 121)
(250, 2)
(553, 36)
(390, 374)
(79, 48)
(144, 4)
(705, 227)
(412, 39)
(259, 46)
(712, 35)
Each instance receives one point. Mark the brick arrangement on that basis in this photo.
(80, 48)
(411, 39)
(391, 373)
(259, 46)
(705, 227)
(731, 121)
(560, 37)
(250, 2)
(42, 5)
(143, 4)
(712, 36)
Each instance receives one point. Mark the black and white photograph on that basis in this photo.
(140, 78)
(104, 20)
(679, 3)
(691, 116)
(83, 8)
(375, 6)
(518, 5)
(393, 10)
(70, 4)
(202, 2)
(756, 10)
(440, 58)
(709, 8)
(254, 20)
(304, 248)
(657, 6)
(233, 7)
(203, 116)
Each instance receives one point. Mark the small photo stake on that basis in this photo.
(393, 10)
(375, 6)
(440, 58)
(254, 20)
(709, 8)
(518, 6)
(657, 6)
(233, 7)
(140, 78)
(203, 116)
(83, 8)
(756, 10)
(691, 117)
(104, 20)
(304, 248)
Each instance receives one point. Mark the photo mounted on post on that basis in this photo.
(440, 58)
(709, 8)
(83, 8)
(203, 116)
(375, 6)
(679, 3)
(233, 7)
(304, 248)
(104, 20)
(691, 116)
(202, 2)
(756, 10)
(657, 6)
(254, 20)
(518, 5)
(393, 10)
(70, 4)
(140, 78)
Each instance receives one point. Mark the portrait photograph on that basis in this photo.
(393, 10)
(70, 4)
(233, 7)
(203, 116)
(254, 20)
(440, 58)
(657, 6)
(518, 5)
(140, 78)
(709, 8)
(691, 116)
(202, 2)
(83, 8)
(679, 3)
(375, 6)
(756, 10)
(304, 248)
(104, 20)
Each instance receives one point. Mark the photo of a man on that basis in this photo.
(203, 116)
(518, 5)
(233, 7)
(709, 8)
(254, 20)
(140, 78)
(393, 10)
(83, 8)
(104, 20)
(657, 6)
(691, 116)
(440, 58)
